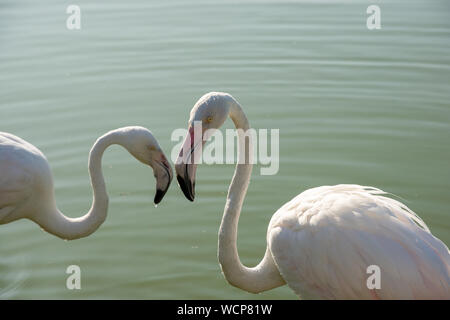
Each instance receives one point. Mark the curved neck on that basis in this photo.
(265, 275)
(56, 223)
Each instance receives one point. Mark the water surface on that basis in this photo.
(352, 105)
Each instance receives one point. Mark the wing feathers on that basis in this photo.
(325, 238)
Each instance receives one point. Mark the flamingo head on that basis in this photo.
(208, 114)
(141, 143)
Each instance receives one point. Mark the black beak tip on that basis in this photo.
(188, 193)
(159, 196)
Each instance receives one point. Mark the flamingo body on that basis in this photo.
(25, 177)
(324, 240)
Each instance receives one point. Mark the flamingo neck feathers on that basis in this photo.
(265, 275)
(56, 223)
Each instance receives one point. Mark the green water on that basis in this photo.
(352, 105)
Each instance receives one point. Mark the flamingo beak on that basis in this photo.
(186, 164)
(163, 174)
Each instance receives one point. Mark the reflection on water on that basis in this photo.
(13, 271)
(352, 106)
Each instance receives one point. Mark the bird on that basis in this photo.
(26, 181)
(328, 242)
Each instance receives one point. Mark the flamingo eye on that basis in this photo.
(152, 148)
(209, 119)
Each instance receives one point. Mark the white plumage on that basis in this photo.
(324, 239)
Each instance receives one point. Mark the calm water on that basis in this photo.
(352, 105)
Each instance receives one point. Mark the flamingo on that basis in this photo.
(26, 182)
(322, 242)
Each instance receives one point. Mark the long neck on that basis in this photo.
(56, 223)
(265, 275)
